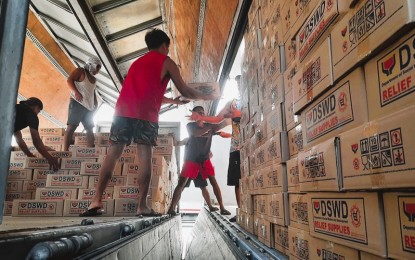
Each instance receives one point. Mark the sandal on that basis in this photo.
(97, 211)
(224, 212)
(213, 209)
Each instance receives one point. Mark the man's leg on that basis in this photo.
(238, 195)
(218, 194)
(177, 193)
(144, 154)
(90, 137)
(67, 139)
(206, 196)
(105, 173)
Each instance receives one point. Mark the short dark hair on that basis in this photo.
(33, 101)
(197, 108)
(155, 38)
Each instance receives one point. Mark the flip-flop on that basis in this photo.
(97, 211)
(224, 212)
(152, 213)
(212, 209)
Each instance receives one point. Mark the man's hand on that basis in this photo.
(53, 163)
(195, 116)
(224, 134)
(180, 101)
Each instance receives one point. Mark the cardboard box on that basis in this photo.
(286, 21)
(351, 219)
(364, 29)
(125, 207)
(36, 163)
(281, 242)
(33, 208)
(274, 95)
(275, 178)
(132, 179)
(40, 174)
(264, 232)
(390, 79)
(293, 181)
(278, 212)
(318, 168)
(68, 181)
(74, 172)
(56, 147)
(74, 163)
(55, 194)
(93, 168)
(314, 76)
(8, 207)
(51, 131)
(159, 160)
(15, 175)
(295, 140)
(114, 181)
(399, 208)
(320, 19)
(290, 51)
(260, 181)
(323, 249)
(31, 186)
(14, 186)
(10, 196)
(61, 154)
(249, 223)
(276, 148)
(81, 140)
(16, 165)
(342, 108)
(274, 122)
(52, 140)
(88, 194)
(102, 138)
(126, 192)
(378, 154)
(299, 241)
(165, 140)
(88, 152)
(163, 149)
(17, 156)
(298, 210)
(72, 208)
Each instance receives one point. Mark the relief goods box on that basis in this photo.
(114, 181)
(276, 148)
(67, 181)
(323, 249)
(278, 212)
(390, 78)
(125, 207)
(10, 196)
(314, 76)
(295, 140)
(72, 208)
(41, 174)
(275, 176)
(51, 131)
(14, 186)
(281, 242)
(18, 156)
(31, 186)
(8, 208)
(36, 163)
(60, 154)
(126, 192)
(379, 154)
(318, 167)
(93, 168)
(88, 152)
(16, 165)
(88, 194)
(34, 208)
(56, 194)
(25, 174)
(399, 210)
(298, 210)
(315, 26)
(52, 140)
(352, 219)
(365, 28)
(74, 163)
(293, 181)
(265, 232)
(299, 241)
(342, 108)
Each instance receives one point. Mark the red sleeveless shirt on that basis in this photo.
(143, 90)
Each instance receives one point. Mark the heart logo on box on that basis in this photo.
(123, 190)
(23, 205)
(74, 204)
(44, 193)
(55, 178)
(89, 166)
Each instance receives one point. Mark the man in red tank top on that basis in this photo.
(136, 116)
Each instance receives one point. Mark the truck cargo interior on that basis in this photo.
(294, 118)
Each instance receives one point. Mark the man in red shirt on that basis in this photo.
(136, 115)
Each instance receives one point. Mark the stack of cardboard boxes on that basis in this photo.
(34, 190)
(347, 78)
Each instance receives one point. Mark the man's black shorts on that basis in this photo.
(124, 130)
(234, 169)
(199, 182)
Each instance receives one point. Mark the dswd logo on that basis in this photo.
(316, 205)
(409, 210)
(388, 65)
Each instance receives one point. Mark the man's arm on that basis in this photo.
(224, 134)
(22, 144)
(175, 101)
(181, 86)
(218, 127)
(37, 142)
(75, 76)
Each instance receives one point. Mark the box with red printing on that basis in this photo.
(72, 208)
(32, 208)
(87, 194)
(55, 194)
(20, 174)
